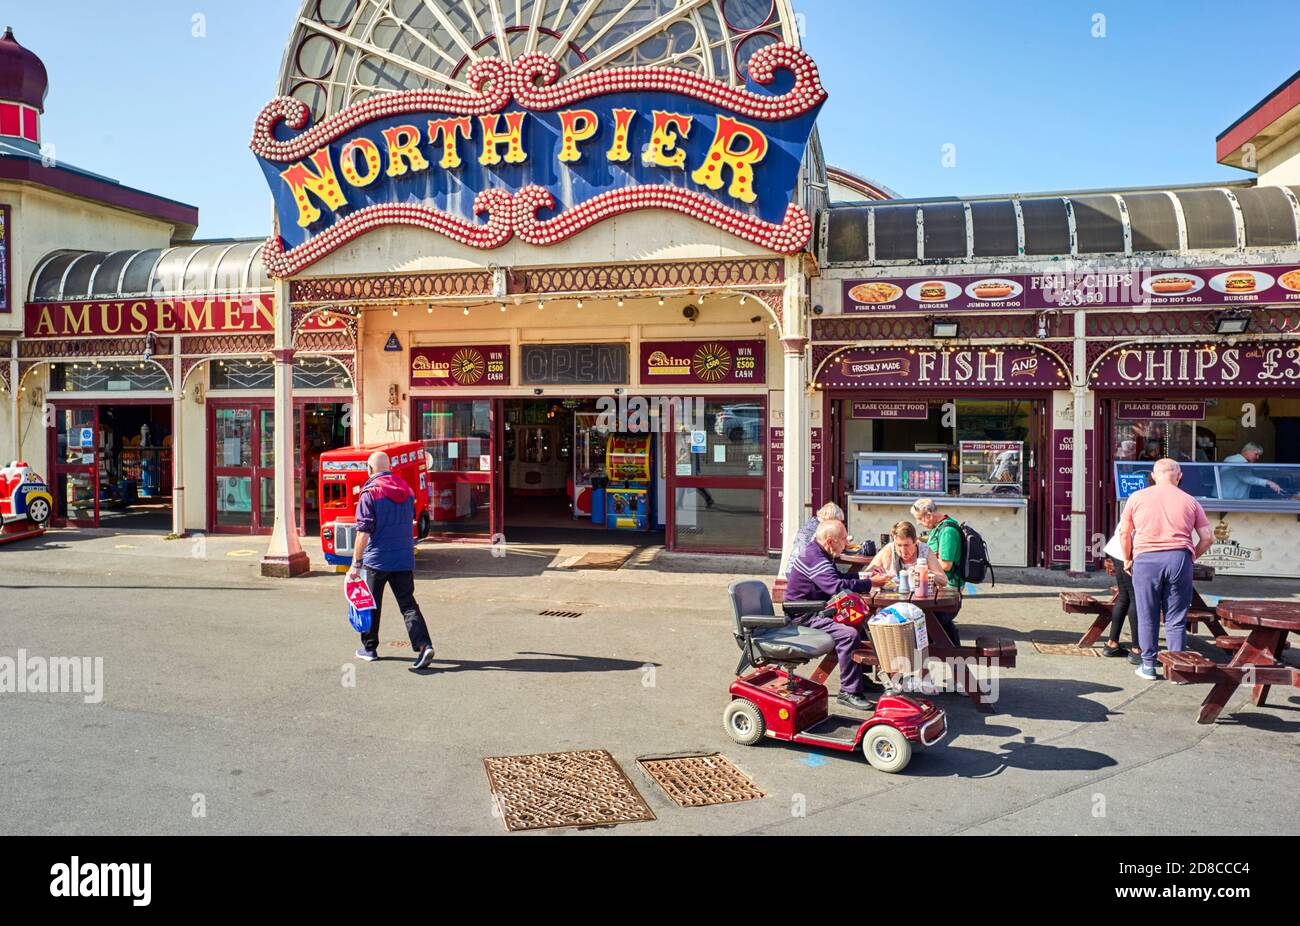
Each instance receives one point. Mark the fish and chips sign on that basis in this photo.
(527, 155)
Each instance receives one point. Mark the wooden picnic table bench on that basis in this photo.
(1100, 608)
(1256, 658)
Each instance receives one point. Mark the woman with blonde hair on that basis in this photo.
(903, 552)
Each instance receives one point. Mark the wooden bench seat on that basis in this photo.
(1180, 664)
(1232, 644)
(1085, 603)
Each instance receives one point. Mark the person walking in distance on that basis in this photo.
(1162, 532)
(385, 556)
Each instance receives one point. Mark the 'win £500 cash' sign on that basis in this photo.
(527, 155)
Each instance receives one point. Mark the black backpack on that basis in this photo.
(973, 563)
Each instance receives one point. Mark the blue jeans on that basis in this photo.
(1162, 583)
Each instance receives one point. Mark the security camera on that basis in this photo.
(149, 340)
(817, 310)
(690, 313)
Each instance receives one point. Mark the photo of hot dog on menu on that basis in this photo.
(1172, 284)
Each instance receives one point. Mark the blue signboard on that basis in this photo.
(877, 477)
(1128, 483)
(520, 157)
(392, 344)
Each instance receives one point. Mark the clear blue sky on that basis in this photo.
(1025, 93)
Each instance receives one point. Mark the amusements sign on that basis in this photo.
(1177, 366)
(250, 314)
(524, 154)
(5, 304)
(895, 368)
(702, 363)
(461, 365)
(1151, 288)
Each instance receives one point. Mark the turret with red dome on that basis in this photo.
(23, 84)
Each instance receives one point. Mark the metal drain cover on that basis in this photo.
(1063, 649)
(553, 613)
(701, 781)
(554, 789)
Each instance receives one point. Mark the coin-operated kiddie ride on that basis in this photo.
(25, 502)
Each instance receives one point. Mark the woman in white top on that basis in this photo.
(904, 551)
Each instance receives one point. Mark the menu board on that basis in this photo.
(1063, 490)
(1224, 286)
(776, 489)
(5, 304)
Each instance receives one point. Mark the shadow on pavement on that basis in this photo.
(1051, 699)
(552, 662)
(942, 762)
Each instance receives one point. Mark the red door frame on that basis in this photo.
(493, 479)
(1037, 443)
(257, 406)
(53, 467)
(672, 482)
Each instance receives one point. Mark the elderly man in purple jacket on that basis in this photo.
(813, 577)
(385, 555)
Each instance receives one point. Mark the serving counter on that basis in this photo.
(1002, 522)
(1256, 526)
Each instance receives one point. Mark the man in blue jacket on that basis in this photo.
(385, 555)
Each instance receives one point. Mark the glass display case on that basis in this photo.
(1236, 486)
(991, 468)
(900, 474)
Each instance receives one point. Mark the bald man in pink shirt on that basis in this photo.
(1162, 531)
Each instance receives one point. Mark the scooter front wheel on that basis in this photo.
(744, 722)
(886, 749)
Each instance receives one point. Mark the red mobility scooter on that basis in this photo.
(772, 701)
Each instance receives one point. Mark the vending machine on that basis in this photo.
(629, 466)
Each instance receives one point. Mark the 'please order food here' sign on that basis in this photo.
(526, 154)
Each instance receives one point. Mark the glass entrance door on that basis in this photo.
(234, 456)
(458, 436)
(715, 480)
(75, 465)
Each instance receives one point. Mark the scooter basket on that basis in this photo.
(895, 646)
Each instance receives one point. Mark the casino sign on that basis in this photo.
(525, 155)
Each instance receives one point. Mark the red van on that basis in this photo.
(343, 473)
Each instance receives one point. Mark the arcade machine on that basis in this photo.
(629, 466)
(589, 440)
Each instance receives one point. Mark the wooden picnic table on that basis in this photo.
(1256, 659)
(1200, 611)
(992, 651)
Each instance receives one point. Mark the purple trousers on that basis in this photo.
(847, 640)
(1162, 584)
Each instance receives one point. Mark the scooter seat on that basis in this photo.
(793, 642)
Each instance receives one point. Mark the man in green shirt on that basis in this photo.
(946, 541)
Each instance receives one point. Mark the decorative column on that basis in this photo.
(15, 430)
(794, 342)
(1079, 458)
(178, 441)
(284, 554)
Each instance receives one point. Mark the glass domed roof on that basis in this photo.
(344, 51)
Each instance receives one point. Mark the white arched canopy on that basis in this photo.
(344, 51)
